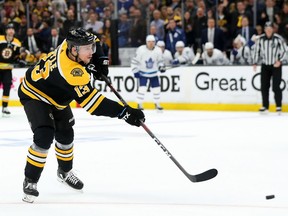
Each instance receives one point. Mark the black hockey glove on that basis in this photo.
(162, 69)
(99, 67)
(132, 116)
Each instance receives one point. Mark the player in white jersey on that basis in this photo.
(183, 55)
(213, 56)
(145, 66)
(167, 55)
(241, 53)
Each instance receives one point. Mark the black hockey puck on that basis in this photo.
(270, 197)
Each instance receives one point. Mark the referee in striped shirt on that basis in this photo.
(270, 47)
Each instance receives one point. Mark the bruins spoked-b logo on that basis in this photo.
(7, 53)
(77, 72)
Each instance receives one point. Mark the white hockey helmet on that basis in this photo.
(160, 43)
(150, 38)
(179, 44)
(209, 45)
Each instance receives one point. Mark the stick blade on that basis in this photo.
(207, 175)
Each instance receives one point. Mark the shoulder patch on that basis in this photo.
(77, 72)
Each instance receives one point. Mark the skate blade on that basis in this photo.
(66, 185)
(6, 115)
(28, 198)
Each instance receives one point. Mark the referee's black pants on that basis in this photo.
(268, 72)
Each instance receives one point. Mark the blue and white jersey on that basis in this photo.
(147, 61)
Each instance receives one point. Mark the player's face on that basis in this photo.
(179, 49)
(150, 44)
(209, 52)
(85, 52)
(10, 32)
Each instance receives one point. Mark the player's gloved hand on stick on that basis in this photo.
(99, 67)
(132, 116)
(162, 69)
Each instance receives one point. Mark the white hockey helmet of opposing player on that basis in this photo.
(179, 44)
(209, 45)
(150, 38)
(160, 43)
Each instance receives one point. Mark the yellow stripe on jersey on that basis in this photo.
(88, 98)
(28, 93)
(15, 41)
(94, 107)
(74, 73)
(37, 92)
(5, 66)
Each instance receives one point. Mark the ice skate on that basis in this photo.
(30, 190)
(158, 108)
(263, 110)
(70, 179)
(279, 110)
(5, 112)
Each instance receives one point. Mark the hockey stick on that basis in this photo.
(209, 174)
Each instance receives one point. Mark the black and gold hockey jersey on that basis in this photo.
(57, 80)
(9, 52)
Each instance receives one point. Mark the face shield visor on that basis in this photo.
(85, 49)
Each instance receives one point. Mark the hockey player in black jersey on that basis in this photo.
(9, 55)
(46, 92)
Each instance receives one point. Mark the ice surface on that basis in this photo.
(126, 173)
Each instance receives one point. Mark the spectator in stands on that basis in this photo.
(22, 29)
(213, 56)
(35, 23)
(93, 24)
(32, 42)
(173, 35)
(222, 21)
(200, 23)
(70, 22)
(159, 24)
(246, 31)
(59, 5)
(106, 13)
(153, 31)
(213, 34)
(283, 21)
(19, 8)
(43, 35)
(106, 35)
(188, 28)
(39, 9)
(184, 55)
(236, 17)
(268, 12)
(138, 30)
(191, 8)
(123, 30)
(167, 55)
(55, 39)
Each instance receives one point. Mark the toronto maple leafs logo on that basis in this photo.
(149, 63)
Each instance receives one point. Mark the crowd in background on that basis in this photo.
(227, 25)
